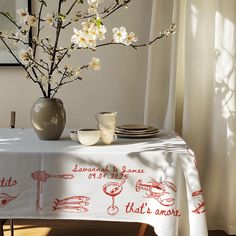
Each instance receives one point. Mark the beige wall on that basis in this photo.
(119, 86)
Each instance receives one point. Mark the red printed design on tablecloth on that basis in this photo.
(191, 153)
(138, 209)
(74, 204)
(144, 208)
(41, 177)
(113, 189)
(200, 205)
(160, 191)
(197, 193)
(200, 208)
(5, 199)
(7, 182)
(107, 172)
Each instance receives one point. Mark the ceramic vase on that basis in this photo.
(48, 118)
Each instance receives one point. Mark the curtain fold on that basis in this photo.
(157, 109)
(191, 88)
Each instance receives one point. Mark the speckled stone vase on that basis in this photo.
(48, 118)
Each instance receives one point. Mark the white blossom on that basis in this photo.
(89, 28)
(49, 19)
(26, 55)
(95, 64)
(130, 39)
(44, 80)
(23, 13)
(119, 35)
(31, 21)
(167, 33)
(91, 41)
(92, 10)
(77, 71)
(86, 37)
(79, 38)
(94, 3)
(101, 30)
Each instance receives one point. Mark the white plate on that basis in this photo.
(136, 132)
(123, 135)
(150, 130)
(133, 127)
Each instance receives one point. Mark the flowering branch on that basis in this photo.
(117, 6)
(39, 25)
(58, 31)
(5, 14)
(25, 68)
(4, 42)
(49, 72)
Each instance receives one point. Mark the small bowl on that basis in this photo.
(74, 135)
(89, 136)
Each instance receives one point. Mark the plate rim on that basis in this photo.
(139, 130)
(138, 126)
(137, 135)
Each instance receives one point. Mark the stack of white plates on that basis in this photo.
(136, 131)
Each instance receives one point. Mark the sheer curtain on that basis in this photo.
(191, 88)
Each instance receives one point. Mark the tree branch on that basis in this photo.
(13, 54)
(166, 33)
(116, 8)
(39, 26)
(10, 19)
(24, 67)
(59, 24)
(61, 58)
(66, 82)
(70, 9)
(38, 64)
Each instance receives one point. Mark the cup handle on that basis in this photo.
(114, 137)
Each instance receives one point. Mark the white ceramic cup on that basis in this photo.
(106, 118)
(74, 135)
(108, 136)
(89, 136)
(107, 124)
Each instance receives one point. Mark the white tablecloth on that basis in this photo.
(133, 180)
